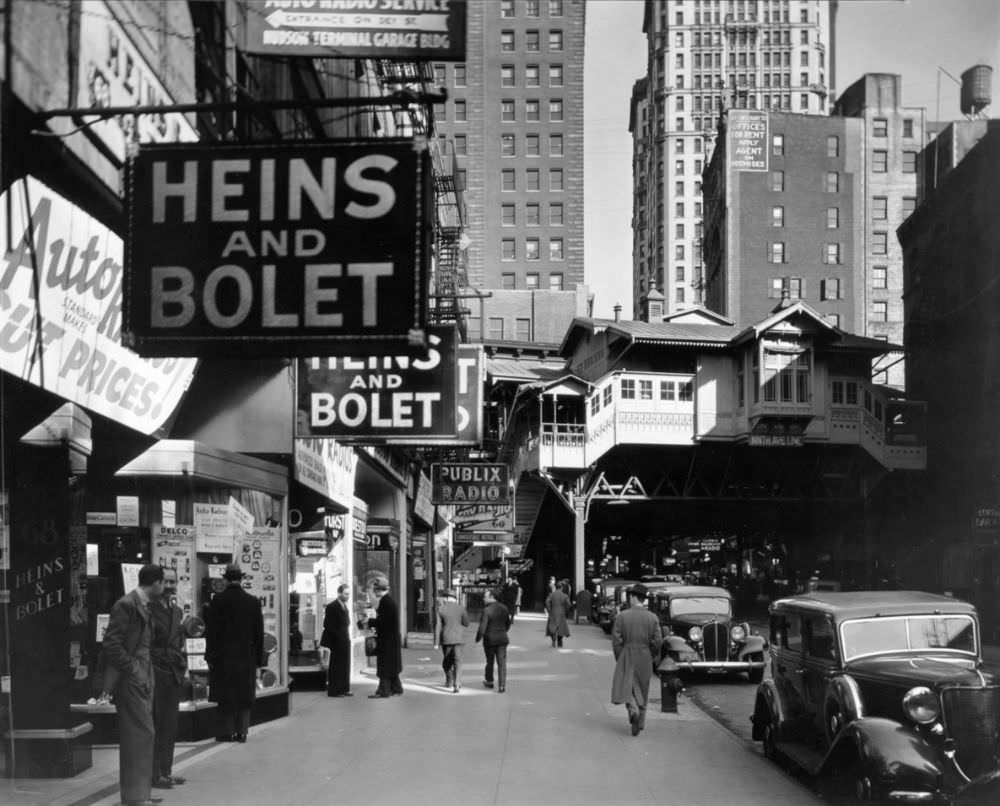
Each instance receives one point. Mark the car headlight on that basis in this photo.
(695, 634)
(921, 705)
(738, 632)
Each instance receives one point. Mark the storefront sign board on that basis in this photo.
(327, 467)
(69, 341)
(402, 30)
(470, 483)
(483, 518)
(288, 249)
(380, 396)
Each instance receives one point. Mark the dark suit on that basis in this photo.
(167, 652)
(337, 638)
(389, 658)
(493, 627)
(234, 650)
(126, 648)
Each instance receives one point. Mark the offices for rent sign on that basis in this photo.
(747, 140)
(286, 249)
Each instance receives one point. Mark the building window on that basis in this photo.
(507, 111)
(685, 390)
(679, 274)
(909, 162)
(461, 145)
(777, 181)
(555, 281)
(461, 179)
(679, 231)
(532, 8)
(787, 378)
(880, 243)
(880, 161)
(645, 390)
(507, 147)
(668, 390)
(556, 215)
(830, 288)
(495, 328)
(803, 101)
(844, 393)
(628, 389)
(460, 80)
(907, 127)
(909, 205)
(507, 180)
(532, 180)
(532, 42)
(880, 127)
(555, 145)
(555, 41)
(531, 280)
(522, 329)
(777, 254)
(555, 179)
(778, 145)
(532, 75)
(531, 145)
(440, 74)
(832, 217)
(507, 41)
(832, 182)
(607, 394)
(555, 75)
(880, 277)
(679, 295)
(532, 217)
(832, 145)
(508, 215)
(880, 311)
(679, 252)
(507, 249)
(460, 112)
(679, 167)
(555, 110)
(507, 76)
(508, 281)
(833, 319)
(778, 216)
(506, 8)
(831, 254)
(556, 249)
(531, 111)
(880, 208)
(532, 251)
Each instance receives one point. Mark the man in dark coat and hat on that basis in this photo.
(389, 655)
(337, 638)
(635, 641)
(234, 649)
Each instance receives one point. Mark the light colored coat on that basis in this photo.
(452, 621)
(635, 640)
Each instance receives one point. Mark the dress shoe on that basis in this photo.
(226, 737)
(488, 683)
(378, 696)
(347, 694)
(163, 782)
(502, 689)
(241, 738)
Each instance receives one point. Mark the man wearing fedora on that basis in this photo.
(389, 655)
(452, 619)
(234, 649)
(635, 640)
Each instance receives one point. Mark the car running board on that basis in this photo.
(803, 757)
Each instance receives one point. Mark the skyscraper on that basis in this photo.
(514, 115)
(706, 56)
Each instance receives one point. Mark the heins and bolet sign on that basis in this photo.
(289, 249)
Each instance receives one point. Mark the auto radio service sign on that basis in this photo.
(278, 249)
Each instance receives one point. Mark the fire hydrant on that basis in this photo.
(670, 684)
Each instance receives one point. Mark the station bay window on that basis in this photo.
(787, 374)
(844, 393)
(628, 389)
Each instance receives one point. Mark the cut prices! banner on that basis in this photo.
(61, 313)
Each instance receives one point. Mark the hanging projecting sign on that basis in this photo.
(279, 249)
(60, 313)
(405, 30)
(747, 140)
(466, 483)
(379, 396)
(483, 518)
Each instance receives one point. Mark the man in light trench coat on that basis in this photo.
(635, 640)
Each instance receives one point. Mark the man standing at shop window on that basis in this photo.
(169, 666)
(389, 657)
(337, 638)
(126, 648)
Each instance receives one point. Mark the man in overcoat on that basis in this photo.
(337, 638)
(389, 657)
(452, 619)
(126, 648)
(557, 606)
(234, 650)
(635, 640)
(493, 626)
(169, 666)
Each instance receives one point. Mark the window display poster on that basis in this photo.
(241, 517)
(130, 576)
(259, 554)
(173, 547)
(212, 529)
(127, 510)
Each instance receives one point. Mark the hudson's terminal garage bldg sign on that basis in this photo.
(280, 249)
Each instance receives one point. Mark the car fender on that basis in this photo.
(679, 648)
(888, 751)
(844, 695)
(767, 707)
(755, 644)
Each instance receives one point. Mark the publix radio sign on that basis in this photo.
(460, 483)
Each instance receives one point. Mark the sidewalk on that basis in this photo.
(553, 737)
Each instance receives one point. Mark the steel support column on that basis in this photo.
(579, 541)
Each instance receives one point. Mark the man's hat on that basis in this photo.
(380, 585)
(639, 591)
(233, 572)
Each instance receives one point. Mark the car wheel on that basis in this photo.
(834, 722)
(755, 676)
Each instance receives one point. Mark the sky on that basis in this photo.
(930, 43)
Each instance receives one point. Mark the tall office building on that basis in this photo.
(706, 56)
(515, 117)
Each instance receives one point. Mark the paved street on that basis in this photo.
(553, 737)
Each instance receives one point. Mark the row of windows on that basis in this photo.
(832, 217)
(495, 329)
(830, 181)
(532, 8)
(532, 215)
(880, 127)
(532, 75)
(830, 289)
(532, 180)
(880, 161)
(532, 145)
(532, 249)
(532, 281)
(532, 41)
(532, 110)
(643, 389)
(778, 253)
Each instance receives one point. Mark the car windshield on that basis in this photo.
(711, 605)
(908, 634)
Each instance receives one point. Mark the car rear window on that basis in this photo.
(908, 634)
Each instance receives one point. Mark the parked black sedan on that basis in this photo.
(883, 689)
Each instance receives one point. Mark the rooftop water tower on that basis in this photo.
(977, 89)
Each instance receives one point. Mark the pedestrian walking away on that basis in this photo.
(492, 631)
(337, 638)
(389, 653)
(510, 595)
(129, 675)
(452, 619)
(582, 609)
(557, 606)
(234, 649)
(169, 668)
(635, 641)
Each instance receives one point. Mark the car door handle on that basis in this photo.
(800, 671)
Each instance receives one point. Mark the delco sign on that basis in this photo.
(279, 249)
(470, 483)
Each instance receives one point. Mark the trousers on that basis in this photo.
(498, 655)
